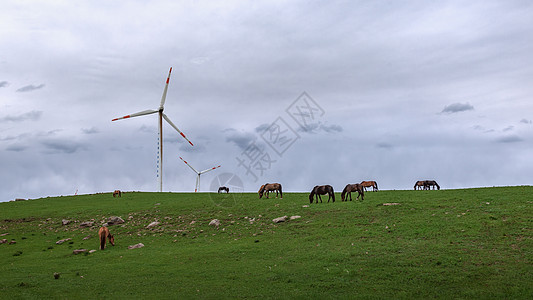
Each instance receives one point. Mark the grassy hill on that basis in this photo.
(472, 243)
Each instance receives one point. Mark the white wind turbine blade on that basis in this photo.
(189, 165)
(197, 187)
(205, 171)
(175, 127)
(164, 97)
(142, 113)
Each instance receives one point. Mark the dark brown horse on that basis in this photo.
(428, 184)
(322, 190)
(419, 185)
(223, 189)
(372, 184)
(270, 187)
(117, 192)
(349, 188)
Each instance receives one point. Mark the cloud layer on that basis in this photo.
(302, 93)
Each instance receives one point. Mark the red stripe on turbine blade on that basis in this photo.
(191, 143)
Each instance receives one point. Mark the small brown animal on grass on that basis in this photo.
(104, 234)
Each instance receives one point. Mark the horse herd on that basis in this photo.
(358, 188)
(320, 190)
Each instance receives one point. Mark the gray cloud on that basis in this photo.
(16, 148)
(30, 88)
(509, 139)
(195, 149)
(31, 116)
(61, 146)
(3, 84)
(319, 127)
(91, 130)
(508, 128)
(384, 145)
(239, 138)
(457, 107)
(526, 121)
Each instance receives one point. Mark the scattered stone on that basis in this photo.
(136, 246)
(153, 224)
(295, 217)
(92, 251)
(62, 241)
(87, 224)
(130, 218)
(87, 237)
(214, 222)
(280, 219)
(3, 241)
(192, 222)
(56, 275)
(4, 234)
(65, 222)
(305, 206)
(78, 251)
(389, 204)
(12, 242)
(114, 221)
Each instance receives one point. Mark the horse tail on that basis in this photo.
(333, 194)
(438, 187)
(280, 192)
(102, 235)
(376, 184)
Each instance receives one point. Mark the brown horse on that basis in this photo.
(270, 187)
(223, 189)
(321, 190)
(372, 184)
(420, 185)
(104, 233)
(431, 183)
(349, 188)
(117, 192)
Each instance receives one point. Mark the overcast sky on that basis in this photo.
(303, 93)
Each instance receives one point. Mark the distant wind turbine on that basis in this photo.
(161, 117)
(197, 188)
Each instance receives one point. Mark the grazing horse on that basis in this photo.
(321, 190)
(223, 188)
(270, 187)
(117, 192)
(104, 233)
(421, 184)
(431, 183)
(372, 184)
(349, 188)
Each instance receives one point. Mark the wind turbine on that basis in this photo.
(198, 173)
(161, 117)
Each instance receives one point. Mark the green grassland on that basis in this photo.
(470, 243)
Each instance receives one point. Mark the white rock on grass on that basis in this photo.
(280, 219)
(114, 220)
(153, 224)
(295, 217)
(62, 241)
(86, 224)
(136, 246)
(214, 222)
